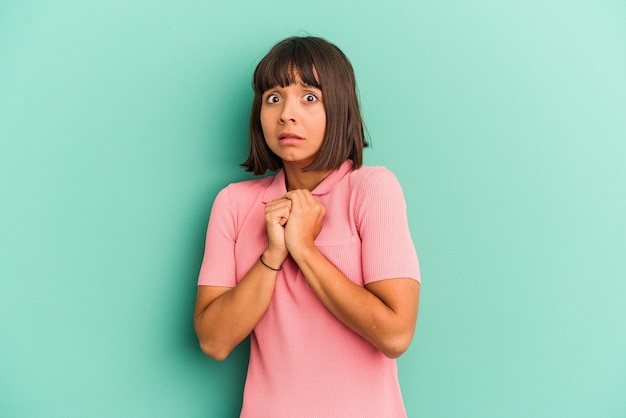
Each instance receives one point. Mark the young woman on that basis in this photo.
(315, 263)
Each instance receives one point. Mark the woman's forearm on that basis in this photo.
(384, 312)
(225, 316)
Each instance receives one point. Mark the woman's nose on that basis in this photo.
(288, 112)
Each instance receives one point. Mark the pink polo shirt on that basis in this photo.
(303, 361)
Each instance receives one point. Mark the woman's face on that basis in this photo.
(293, 120)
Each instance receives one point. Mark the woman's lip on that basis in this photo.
(290, 140)
(288, 135)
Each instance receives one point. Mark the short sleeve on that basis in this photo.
(218, 263)
(387, 247)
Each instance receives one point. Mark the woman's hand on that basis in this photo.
(305, 220)
(277, 212)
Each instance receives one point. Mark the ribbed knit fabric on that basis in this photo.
(303, 361)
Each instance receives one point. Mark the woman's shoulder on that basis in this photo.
(244, 192)
(373, 176)
(251, 185)
(368, 169)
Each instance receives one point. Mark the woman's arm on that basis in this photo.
(224, 316)
(384, 312)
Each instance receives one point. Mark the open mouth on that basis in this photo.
(289, 135)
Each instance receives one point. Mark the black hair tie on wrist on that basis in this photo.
(269, 267)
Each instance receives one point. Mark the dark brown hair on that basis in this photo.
(320, 64)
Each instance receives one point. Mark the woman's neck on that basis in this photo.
(295, 178)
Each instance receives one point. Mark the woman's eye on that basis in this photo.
(310, 97)
(272, 98)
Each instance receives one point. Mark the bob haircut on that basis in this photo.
(322, 65)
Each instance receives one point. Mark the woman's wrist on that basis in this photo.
(273, 258)
(279, 268)
(303, 252)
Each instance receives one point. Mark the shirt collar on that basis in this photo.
(278, 188)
